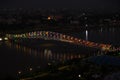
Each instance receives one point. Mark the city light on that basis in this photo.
(49, 64)
(19, 72)
(30, 69)
(86, 25)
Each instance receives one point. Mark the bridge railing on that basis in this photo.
(61, 37)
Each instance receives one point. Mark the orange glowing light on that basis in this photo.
(49, 18)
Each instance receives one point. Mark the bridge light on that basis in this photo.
(71, 38)
(76, 39)
(68, 37)
(5, 38)
(46, 33)
(1, 39)
(49, 18)
(64, 36)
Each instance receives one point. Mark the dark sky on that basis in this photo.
(94, 4)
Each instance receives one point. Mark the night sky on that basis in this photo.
(93, 4)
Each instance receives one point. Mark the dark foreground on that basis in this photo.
(78, 69)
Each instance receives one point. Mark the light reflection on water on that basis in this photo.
(40, 57)
(86, 34)
(43, 54)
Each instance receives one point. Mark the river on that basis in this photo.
(34, 54)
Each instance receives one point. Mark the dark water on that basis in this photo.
(35, 54)
(102, 35)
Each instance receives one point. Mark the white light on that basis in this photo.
(79, 75)
(19, 72)
(86, 34)
(86, 25)
(30, 69)
(0, 39)
(5, 38)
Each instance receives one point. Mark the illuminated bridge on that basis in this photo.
(48, 35)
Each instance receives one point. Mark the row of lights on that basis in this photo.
(30, 69)
(3, 39)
